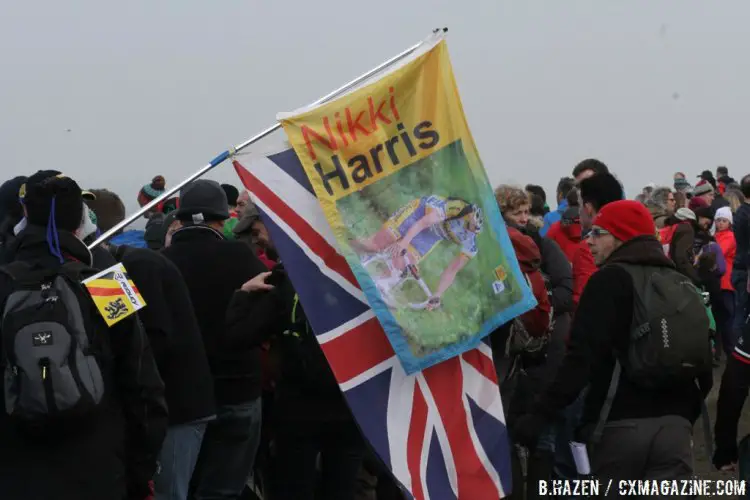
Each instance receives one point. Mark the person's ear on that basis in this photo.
(589, 208)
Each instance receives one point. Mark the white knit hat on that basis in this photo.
(724, 213)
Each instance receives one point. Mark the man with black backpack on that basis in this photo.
(640, 340)
(83, 414)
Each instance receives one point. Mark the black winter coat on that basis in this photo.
(111, 455)
(214, 270)
(6, 239)
(681, 249)
(307, 391)
(559, 273)
(601, 328)
(172, 329)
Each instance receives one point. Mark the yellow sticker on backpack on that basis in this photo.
(114, 293)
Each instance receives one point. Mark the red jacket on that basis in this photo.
(536, 321)
(567, 236)
(583, 267)
(728, 245)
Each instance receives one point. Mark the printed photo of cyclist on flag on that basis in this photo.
(417, 228)
(427, 248)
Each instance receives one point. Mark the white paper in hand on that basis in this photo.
(580, 457)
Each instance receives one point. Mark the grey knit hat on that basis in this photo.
(685, 214)
(702, 188)
(203, 200)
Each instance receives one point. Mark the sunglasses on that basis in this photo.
(597, 232)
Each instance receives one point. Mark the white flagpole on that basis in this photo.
(231, 152)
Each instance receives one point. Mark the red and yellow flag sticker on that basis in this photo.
(114, 293)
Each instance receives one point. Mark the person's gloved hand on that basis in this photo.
(527, 429)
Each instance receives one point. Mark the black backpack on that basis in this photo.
(670, 337)
(51, 373)
(670, 341)
(301, 357)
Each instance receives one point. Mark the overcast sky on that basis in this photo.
(160, 87)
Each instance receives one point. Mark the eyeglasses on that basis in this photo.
(597, 232)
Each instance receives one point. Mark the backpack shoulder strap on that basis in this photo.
(607, 406)
(16, 269)
(76, 271)
(641, 276)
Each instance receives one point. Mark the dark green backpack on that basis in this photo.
(670, 337)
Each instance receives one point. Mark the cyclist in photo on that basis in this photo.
(416, 229)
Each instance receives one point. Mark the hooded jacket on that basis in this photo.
(112, 455)
(537, 320)
(169, 321)
(601, 328)
(584, 267)
(214, 270)
(567, 233)
(728, 245)
(529, 257)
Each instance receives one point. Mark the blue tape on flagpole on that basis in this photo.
(223, 156)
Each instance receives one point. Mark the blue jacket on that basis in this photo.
(133, 238)
(553, 217)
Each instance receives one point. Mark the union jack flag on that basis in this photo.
(440, 431)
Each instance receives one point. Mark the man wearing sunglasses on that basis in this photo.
(634, 430)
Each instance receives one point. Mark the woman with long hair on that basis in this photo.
(735, 198)
(515, 207)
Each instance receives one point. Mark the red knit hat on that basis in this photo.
(625, 220)
(696, 203)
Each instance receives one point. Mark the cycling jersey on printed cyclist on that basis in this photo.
(454, 214)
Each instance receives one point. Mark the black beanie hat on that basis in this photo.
(705, 212)
(203, 200)
(53, 200)
(9, 202)
(232, 194)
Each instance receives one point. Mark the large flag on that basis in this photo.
(441, 431)
(400, 181)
